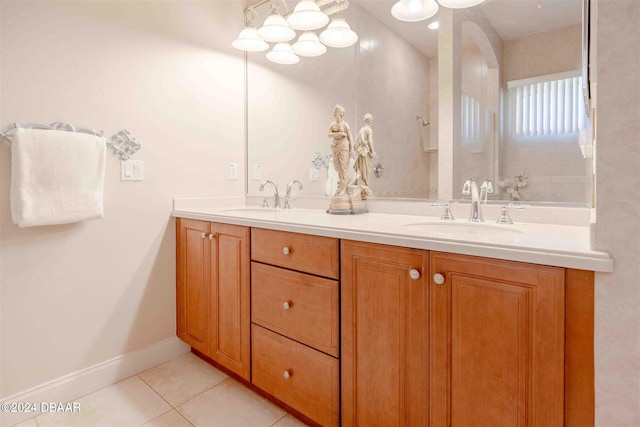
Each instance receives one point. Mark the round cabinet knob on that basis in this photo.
(286, 305)
(285, 250)
(438, 278)
(286, 375)
(414, 274)
(203, 235)
(210, 236)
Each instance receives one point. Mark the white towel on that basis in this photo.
(57, 177)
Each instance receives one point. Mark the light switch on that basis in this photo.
(257, 173)
(131, 170)
(314, 174)
(233, 171)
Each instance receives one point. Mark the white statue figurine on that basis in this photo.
(364, 155)
(342, 146)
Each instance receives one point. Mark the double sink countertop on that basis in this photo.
(547, 244)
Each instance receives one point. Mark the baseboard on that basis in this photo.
(75, 385)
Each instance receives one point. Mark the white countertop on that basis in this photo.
(547, 244)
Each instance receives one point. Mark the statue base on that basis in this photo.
(348, 204)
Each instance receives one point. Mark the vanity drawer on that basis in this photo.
(299, 376)
(298, 305)
(310, 254)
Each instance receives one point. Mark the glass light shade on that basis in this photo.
(338, 34)
(309, 45)
(307, 16)
(434, 25)
(283, 54)
(414, 10)
(249, 41)
(275, 29)
(459, 4)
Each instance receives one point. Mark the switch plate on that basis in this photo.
(314, 175)
(131, 170)
(233, 171)
(257, 172)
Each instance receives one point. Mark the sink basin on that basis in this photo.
(475, 229)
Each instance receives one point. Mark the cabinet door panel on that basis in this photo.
(230, 298)
(384, 336)
(193, 290)
(496, 343)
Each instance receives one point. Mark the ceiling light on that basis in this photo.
(415, 10)
(434, 25)
(309, 45)
(275, 29)
(249, 41)
(459, 4)
(307, 16)
(338, 34)
(283, 54)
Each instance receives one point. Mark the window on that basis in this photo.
(477, 122)
(547, 105)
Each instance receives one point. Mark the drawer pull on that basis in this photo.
(285, 250)
(414, 274)
(286, 305)
(439, 279)
(286, 375)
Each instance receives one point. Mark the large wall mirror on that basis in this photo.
(494, 93)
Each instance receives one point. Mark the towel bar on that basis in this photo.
(122, 142)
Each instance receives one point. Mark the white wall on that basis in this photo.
(76, 295)
(617, 334)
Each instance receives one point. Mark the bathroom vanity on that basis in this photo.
(363, 321)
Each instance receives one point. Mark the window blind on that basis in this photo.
(476, 121)
(548, 106)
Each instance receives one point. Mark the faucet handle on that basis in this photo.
(447, 215)
(504, 217)
(466, 188)
(488, 186)
(265, 204)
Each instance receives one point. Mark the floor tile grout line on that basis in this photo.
(280, 419)
(165, 413)
(155, 391)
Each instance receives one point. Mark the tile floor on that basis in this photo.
(183, 392)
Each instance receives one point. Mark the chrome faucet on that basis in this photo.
(288, 195)
(470, 188)
(276, 195)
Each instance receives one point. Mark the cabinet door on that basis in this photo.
(230, 316)
(384, 335)
(192, 283)
(496, 343)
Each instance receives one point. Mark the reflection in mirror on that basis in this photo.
(513, 112)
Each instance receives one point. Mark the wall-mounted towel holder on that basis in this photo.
(122, 142)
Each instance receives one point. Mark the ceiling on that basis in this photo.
(511, 18)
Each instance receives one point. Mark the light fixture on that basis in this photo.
(433, 25)
(309, 45)
(459, 4)
(283, 54)
(307, 16)
(275, 29)
(415, 10)
(338, 34)
(249, 41)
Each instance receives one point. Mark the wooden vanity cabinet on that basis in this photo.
(212, 291)
(434, 339)
(384, 312)
(496, 343)
(295, 321)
